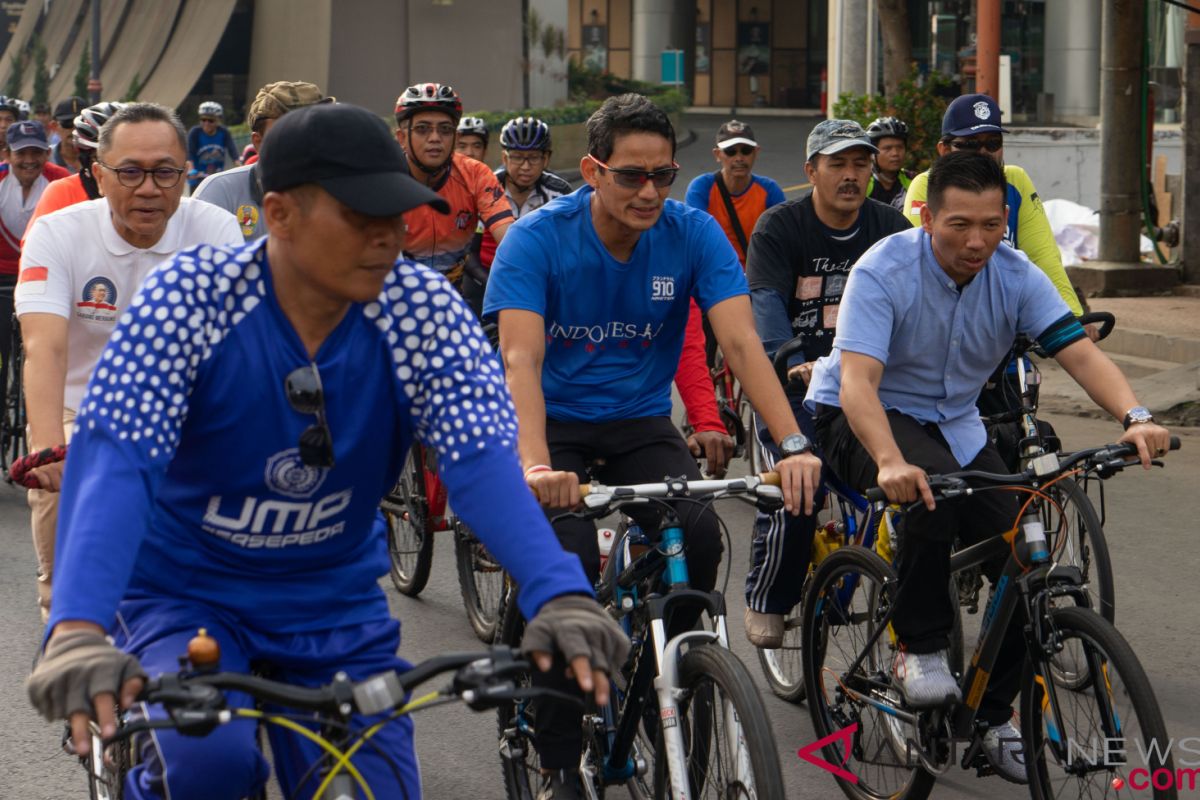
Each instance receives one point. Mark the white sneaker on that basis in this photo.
(925, 679)
(1006, 752)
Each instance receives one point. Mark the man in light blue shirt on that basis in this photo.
(925, 317)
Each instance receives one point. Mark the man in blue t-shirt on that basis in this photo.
(592, 294)
(925, 317)
(227, 468)
(208, 143)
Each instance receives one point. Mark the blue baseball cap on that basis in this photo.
(28, 133)
(972, 114)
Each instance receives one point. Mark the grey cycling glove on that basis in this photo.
(577, 626)
(77, 666)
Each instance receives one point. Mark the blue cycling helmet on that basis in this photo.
(525, 133)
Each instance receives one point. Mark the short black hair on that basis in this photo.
(626, 113)
(971, 172)
(140, 112)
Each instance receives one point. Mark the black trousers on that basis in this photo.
(8, 285)
(924, 612)
(642, 450)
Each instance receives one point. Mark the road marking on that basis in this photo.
(796, 188)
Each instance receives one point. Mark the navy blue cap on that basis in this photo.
(28, 133)
(972, 114)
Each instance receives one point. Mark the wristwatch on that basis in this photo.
(794, 444)
(1136, 416)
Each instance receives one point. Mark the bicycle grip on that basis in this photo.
(1106, 320)
(1175, 444)
(770, 478)
(876, 494)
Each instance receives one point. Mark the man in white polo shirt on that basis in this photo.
(81, 266)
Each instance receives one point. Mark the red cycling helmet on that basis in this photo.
(428, 97)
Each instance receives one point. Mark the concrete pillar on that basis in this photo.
(852, 71)
(660, 25)
(1072, 51)
(1123, 29)
(1191, 157)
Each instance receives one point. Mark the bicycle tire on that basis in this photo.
(704, 673)
(838, 606)
(12, 427)
(410, 537)
(1139, 717)
(106, 781)
(481, 582)
(1085, 547)
(518, 758)
(782, 666)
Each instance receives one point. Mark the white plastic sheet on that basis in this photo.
(1077, 232)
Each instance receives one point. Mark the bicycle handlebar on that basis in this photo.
(596, 495)
(1107, 460)
(783, 355)
(18, 471)
(1106, 320)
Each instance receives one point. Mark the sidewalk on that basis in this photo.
(1156, 343)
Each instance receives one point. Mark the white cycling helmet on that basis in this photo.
(211, 109)
(23, 109)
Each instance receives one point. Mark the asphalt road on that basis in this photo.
(1151, 526)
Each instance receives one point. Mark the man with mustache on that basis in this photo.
(92, 250)
(800, 254)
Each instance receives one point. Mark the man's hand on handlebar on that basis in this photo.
(1151, 441)
(49, 476)
(78, 679)
(800, 476)
(592, 643)
(555, 488)
(716, 446)
(801, 373)
(905, 483)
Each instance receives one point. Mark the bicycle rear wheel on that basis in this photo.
(729, 746)
(481, 581)
(1097, 739)
(410, 537)
(850, 593)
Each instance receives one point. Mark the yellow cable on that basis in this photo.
(343, 759)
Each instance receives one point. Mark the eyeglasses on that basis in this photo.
(975, 145)
(208, 119)
(739, 150)
(446, 129)
(636, 178)
(305, 396)
(133, 177)
(533, 159)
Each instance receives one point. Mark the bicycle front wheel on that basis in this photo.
(481, 580)
(782, 666)
(1105, 738)
(729, 747)
(410, 537)
(515, 719)
(1076, 538)
(847, 599)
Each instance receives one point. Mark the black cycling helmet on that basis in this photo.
(428, 97)
(525, 133)
(474, 126)
(885, 127)
(89, 122)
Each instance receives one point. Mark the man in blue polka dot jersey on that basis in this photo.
(251, 409)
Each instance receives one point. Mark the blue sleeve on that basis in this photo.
(770, 319)
(1040, 305)
(463, 409)
(520, 270)
(719, 274)
(775, 195)
(230, 145)
(699, 190)
(127, 430)
(194, 145)
(865, 317)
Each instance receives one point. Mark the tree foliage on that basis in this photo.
(84, 71)
(919, 100)
(41, 74)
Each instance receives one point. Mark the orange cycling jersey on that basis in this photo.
(58, 195)
(475, 196)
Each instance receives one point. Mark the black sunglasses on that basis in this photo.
(637, 178)
(305, 396)
(738, 150)
(975, 145)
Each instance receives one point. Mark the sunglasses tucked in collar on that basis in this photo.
(305, 395)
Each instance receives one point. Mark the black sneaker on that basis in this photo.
(561, 784)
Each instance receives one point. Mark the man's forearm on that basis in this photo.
(868, 421)
(45, 378)
(1099, 376)
(525, 385)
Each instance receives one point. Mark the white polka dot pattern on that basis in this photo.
(185, 308)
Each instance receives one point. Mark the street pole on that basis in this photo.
(1191, 153)
(1122, 30)
(94, 86)
(987, 48)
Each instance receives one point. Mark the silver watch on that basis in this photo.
(794, 444)
(1136, 416)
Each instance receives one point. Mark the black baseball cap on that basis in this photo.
(347, 151)
(67, 110)
(972, 114)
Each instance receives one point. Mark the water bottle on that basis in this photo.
(605, 538)
(1035, 537)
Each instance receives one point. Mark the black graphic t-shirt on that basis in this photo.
(794, 253)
